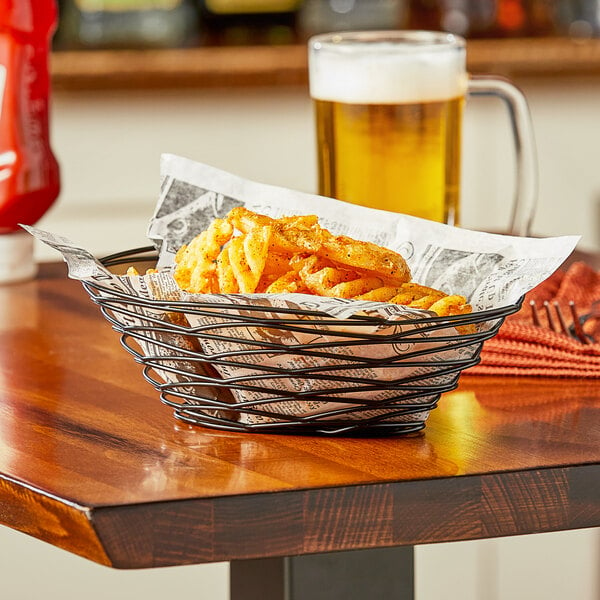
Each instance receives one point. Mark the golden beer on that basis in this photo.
(388, 109)
(398, 157)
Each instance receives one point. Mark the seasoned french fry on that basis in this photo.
(451, 305)
(239, 266)
(226, 279)
(354, 288)
(247, 258)
(319, 277)
(366, 256)
(294, 254)
(246, 221)
(196, 262)
(256, 247)
(416, 296)
(425, 302)
(380, 294)
(277, 263)
(133, 272)
(289, 283)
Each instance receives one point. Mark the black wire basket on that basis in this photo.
(238, 371)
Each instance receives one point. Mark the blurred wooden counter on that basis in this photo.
(287, 65)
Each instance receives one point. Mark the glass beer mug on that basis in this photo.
(388, 108)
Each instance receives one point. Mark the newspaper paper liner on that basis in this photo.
(350, 363)
(490, 270)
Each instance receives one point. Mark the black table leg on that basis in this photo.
(353, 575)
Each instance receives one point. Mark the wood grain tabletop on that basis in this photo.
(92, 461)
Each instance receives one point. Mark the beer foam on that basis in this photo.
(386, 76)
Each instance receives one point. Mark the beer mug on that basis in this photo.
(388, 108)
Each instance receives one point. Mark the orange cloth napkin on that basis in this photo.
(521, 348)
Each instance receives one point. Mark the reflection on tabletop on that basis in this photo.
(521, 418)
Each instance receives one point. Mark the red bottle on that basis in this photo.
(29, 173)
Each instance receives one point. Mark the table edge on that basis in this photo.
(381, 514)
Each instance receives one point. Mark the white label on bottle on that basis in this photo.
(2, 87)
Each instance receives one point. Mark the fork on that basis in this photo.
(557, 323)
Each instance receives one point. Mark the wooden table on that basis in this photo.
(92, 462)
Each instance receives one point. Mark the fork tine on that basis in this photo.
(577, 327)
(534, 313)
(563, 326)
(550, 318)
(557, 323)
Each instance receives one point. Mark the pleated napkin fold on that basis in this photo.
(522, 348)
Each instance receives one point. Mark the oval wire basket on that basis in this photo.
(242, 368)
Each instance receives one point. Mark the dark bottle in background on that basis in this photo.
(511, 18)
(578, 18)
(425, 14)
(541, 14)
(468, 18)
(94, 24)
(321, 16)
(492, 18)
(248, 22)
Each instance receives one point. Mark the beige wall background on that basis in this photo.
(109, 145)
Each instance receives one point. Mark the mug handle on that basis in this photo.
(526, 180)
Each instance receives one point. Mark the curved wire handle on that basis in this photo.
(526, 181)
